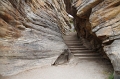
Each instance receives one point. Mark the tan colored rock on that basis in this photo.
(30, 34)
(98, 22)
(106, 13)
(106, 23)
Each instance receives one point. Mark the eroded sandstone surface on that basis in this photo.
(98, 25)
(30, 34)
(30, 31)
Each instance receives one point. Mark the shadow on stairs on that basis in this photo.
(79, 51)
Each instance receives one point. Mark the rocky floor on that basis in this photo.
(76, 69)
(85, 64)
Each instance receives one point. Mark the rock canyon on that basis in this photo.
(31, 32)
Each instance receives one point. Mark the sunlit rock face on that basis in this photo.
(30, 34)
(98, 25)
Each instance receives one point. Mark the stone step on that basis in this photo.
(82, 51)
(92, 57)
(73, 42)
(86, 54)
(69, 39)
(75, 46)
(70, 35)
(78, 49)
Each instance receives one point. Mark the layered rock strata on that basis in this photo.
(30, 34)
(98, 25)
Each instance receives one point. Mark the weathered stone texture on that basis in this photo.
(82, 24)
(30, 33)
(98, 22)
(105, 22)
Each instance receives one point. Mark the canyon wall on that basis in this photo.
(97, 23)
(30, 31)
(30, 34)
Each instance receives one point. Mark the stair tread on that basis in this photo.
(73, 41)
(86, 54)
(79, 51)
(78, 48)
(82, 51)
(74, 44)
(89, 57)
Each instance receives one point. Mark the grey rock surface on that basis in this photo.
(30, 34)
(98, 22)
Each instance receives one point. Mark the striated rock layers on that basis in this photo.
(98, 25)
(30, 34)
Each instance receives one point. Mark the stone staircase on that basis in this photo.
(78, 49)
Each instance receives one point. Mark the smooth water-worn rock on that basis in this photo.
(30, 34)
(98, 25)
(30, 31)
(105, 22)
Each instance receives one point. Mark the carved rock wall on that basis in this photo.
(98, 25)
(30, 34)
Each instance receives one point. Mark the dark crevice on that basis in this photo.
(83, 27)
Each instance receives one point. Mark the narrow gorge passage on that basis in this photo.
(84, 54)
(37, 40)
(78, 50)
(85, 64)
